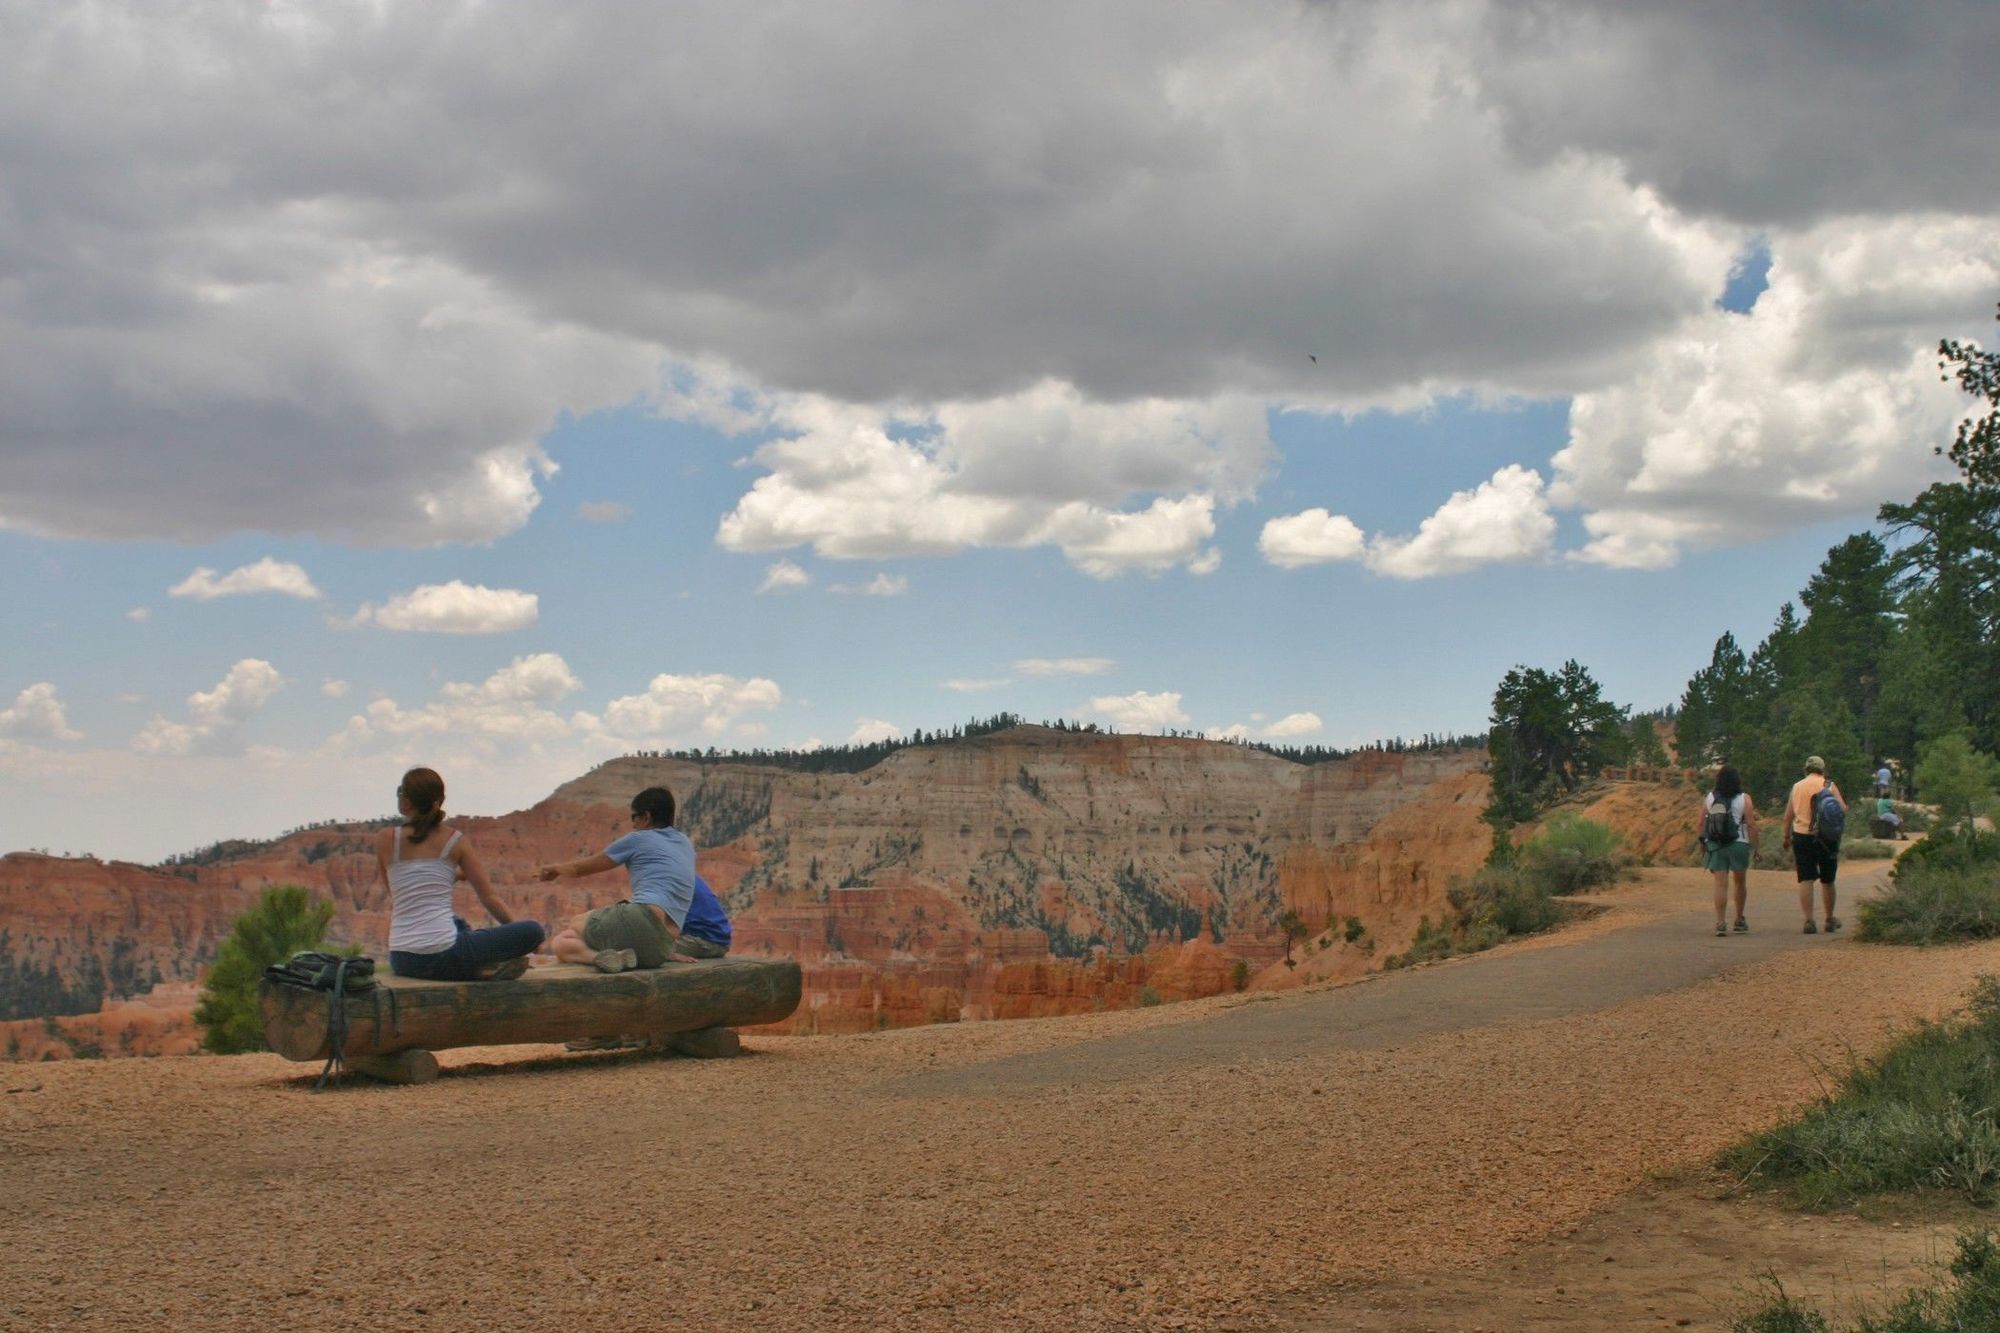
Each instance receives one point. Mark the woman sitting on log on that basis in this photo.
(662, 922)
(425, 939)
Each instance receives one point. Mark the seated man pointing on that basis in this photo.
(667, 916)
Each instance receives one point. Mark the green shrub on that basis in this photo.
(285, 920)
(1148, 997)
(1572, 854)
(1352, 929)
(1936, 902)
(1920, 1117)
(1239, 974)
(1958, 847)
(1432, 942)
(1866, 849)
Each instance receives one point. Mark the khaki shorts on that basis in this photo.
(627, 925)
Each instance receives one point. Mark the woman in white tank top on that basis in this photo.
(421, 861)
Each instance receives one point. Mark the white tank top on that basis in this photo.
(420, 891)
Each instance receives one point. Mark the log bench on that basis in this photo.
(688, 1008)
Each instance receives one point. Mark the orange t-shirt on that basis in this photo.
(1799, 804)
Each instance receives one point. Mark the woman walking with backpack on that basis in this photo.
(1728, 835)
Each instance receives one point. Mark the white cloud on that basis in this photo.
(1042, 468)
(454, 608)
(603, 511)
(333, 689)
(673, 707)
(1234, 732)
(37, 715)
(965, 686)
(1311, 538)
(511, 705)
(868, 730)
(216, 717)
(1502, 521)
(140, 614)
(1820, 403)
(265, 576)
(1293, 725)
(882, 585)
(1064, 666)
(783, 576)
(1141, 711)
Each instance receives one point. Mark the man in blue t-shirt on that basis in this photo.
(671, 914)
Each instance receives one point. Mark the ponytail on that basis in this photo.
(424, 790)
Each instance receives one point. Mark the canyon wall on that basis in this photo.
(1028, 872)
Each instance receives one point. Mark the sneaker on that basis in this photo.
(508, 970)
(614, 960)
(1721, 929)
(1741, 925)
(1811, 929)
(1832, 924)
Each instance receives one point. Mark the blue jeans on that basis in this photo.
(472, 952)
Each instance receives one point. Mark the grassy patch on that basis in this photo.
(1966, 1298)
(1922, 1117)
(1866, 849)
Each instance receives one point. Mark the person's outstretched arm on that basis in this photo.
(475, 875)
(589, 865)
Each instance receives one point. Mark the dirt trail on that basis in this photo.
(1307, 1161)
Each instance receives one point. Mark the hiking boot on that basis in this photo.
(1832, 924)
(615, 960)
(1811, 929)
(1741, 925)
(508, 970)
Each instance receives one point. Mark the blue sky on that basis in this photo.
(793, 376)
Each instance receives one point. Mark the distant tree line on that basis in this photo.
(855, 758)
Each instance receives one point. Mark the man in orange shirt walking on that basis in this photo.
(1815, 859)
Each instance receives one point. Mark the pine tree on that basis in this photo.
(285, 920)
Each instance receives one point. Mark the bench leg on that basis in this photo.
(415, 1065)
(707, 1044)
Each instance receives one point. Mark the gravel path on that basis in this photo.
(1183, 1166)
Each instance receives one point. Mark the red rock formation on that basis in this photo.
(1024, 873)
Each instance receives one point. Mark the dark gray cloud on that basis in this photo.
(1766, 113)
(335, 268)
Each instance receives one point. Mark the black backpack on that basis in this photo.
(1719, 829)
(1829, 816)
(337, 975)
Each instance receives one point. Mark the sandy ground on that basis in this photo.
(1459, 1146)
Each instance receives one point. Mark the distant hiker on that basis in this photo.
(1888, 824)
(425, 939)
(1884, 780)
(1815, 813)
(666, 918)
(1728, 836)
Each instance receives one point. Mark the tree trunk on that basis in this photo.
(549, 1004)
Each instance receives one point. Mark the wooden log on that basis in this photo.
(415, 1065)
(549, 1004)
